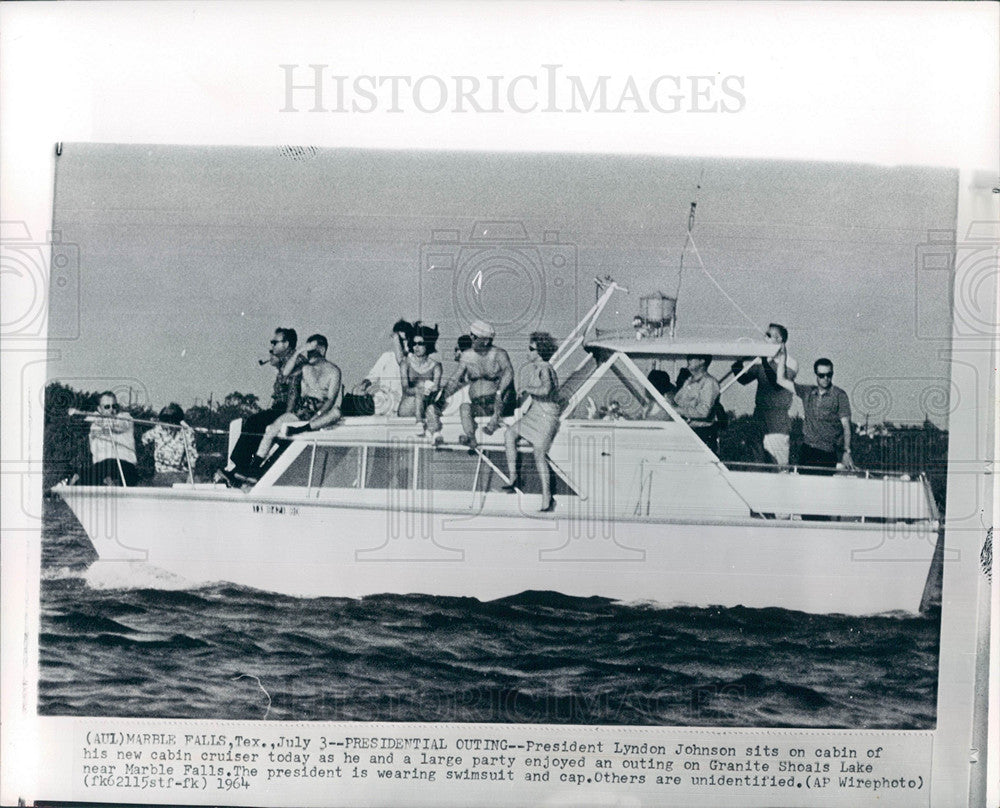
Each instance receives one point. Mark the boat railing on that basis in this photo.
(795, 468)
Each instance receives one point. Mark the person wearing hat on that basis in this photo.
(490, 376)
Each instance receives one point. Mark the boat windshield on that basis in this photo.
(616, 395)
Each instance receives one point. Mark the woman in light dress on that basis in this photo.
(537, 426)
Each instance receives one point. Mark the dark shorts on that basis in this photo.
(307, 407)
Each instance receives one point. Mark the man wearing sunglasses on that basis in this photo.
(826, 430)
(283, 345)
(314, 404)
(112, 445)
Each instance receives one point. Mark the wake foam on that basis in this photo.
(132, 575)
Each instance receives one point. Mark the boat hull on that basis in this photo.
(315, 548)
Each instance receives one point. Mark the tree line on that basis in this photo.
(907, 449)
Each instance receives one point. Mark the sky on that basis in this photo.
(189, 257)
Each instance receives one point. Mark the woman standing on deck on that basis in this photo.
(539, 424)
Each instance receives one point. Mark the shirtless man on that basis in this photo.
(490, 376)
(316, 400)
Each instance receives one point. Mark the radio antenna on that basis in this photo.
(687, 241)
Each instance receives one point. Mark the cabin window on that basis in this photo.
(334, 467)
(389, 467)
(337, 467)
(450, 471)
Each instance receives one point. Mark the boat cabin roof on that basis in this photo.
(667, 347)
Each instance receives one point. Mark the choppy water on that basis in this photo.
(150, 649)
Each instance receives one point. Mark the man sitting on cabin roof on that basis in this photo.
(696, 399)
(490, 376)
(283, 345)
(315, 402)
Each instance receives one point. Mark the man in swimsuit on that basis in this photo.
(316, 401)
(490, 376)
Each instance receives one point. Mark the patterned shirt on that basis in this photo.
(170, 445)
(282, 391)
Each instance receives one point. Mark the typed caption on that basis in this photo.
(190, 766)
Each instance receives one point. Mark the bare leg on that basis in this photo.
(541, 452)
(510, 449)
(468, 424)
(433, 419)
(542, 464)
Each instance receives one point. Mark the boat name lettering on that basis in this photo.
(280, 510)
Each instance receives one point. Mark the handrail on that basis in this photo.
(576, 337)
(840, 472)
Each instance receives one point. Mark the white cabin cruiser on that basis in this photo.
(645, 511)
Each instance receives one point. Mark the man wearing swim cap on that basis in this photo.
(490, 376)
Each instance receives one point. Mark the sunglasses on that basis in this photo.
(825, 375)
(108, 407)
(419, 342)
(277, 341)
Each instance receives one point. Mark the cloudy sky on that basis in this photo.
(190, 256)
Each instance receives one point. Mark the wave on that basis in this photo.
(81, 623)
(132, 575)
(64, 573)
